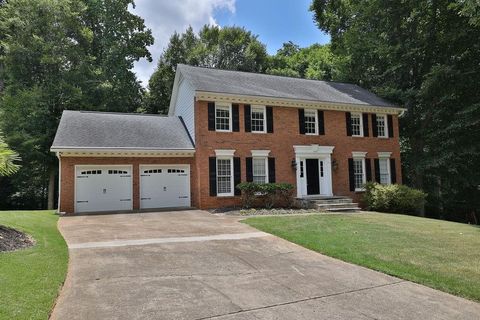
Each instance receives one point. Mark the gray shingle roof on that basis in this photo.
(85, 129)
(257, 84)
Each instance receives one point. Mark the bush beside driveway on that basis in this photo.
(439, 254)
(30, 279)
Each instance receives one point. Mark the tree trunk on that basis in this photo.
(51, 189)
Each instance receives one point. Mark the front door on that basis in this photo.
(313, 176)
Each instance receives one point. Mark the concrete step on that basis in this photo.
(344, 209)
(336, 200)
(326, 206)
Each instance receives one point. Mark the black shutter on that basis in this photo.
(235, 118)
(390, 125)
(301, 120)
(365, 125)
(377, 170)
(212, 167)
(393, 172)
(351, 176)
(348, 122)
(271, 170)
(368, 169)
(374, 125)
(248, 118)
(321, 123)
(249, 166)
(211, 116)
(269, 119)
(237, 175)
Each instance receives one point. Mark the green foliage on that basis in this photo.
(8, 158)
(425, 56)
(231, 48)
(57, 55)
(268, 192)
(393, 198)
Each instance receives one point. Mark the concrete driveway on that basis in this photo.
(194, 265)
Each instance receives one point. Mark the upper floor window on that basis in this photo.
(382, 126)
(311, 120)
(258, 119)
(223, 117)
(356, 123)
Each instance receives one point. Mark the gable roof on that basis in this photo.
(104, 130)
(264, 85)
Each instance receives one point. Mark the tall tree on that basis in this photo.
(8, 159)
(425, 55)
(230, 48)
(57, 55)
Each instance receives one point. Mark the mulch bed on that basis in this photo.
(11, 239)
(261, 211)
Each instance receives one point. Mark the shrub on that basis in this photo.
(393, 198)
(268, 192)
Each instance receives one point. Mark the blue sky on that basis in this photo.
(273, 21)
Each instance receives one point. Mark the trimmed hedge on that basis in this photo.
(393, 198)
(270, 194)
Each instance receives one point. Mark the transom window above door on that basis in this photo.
(311, 121)
(356, 124)
(223, 117)
(258, 119)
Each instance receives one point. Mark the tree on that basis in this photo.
(57, 55)
(8, 158)
(230, 48)
(425, 56)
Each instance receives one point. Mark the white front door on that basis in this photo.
(163, 186)
(103, 188)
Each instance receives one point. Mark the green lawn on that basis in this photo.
(440, 254)
(30, 279)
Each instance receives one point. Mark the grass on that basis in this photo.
(30, 279)
(439, 254)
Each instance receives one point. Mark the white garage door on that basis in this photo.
(103, 188)
(164, 186)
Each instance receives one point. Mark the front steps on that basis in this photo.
(333, 204)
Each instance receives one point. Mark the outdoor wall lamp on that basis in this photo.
(334, 165)
(294, 164)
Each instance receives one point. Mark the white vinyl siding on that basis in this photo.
(184, 106)
(311, 121)
(357, 124)
(224, 176)
(382, 126)
(384, 166)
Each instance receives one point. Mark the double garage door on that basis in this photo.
(110, 188)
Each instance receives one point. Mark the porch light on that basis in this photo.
(294, 164)
(334, 164)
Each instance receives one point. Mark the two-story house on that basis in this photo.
(225, 127)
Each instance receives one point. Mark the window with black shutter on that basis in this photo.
(365, 125)
(376, 163)
(249, 168)
(235, 118)
(247, 114)
(368, 169)
(212, 168)
(390, 126)
(374, 125)
(237, 175)
(271, 170)
(269, 120)
(301, 120)
(351, 174)
(348, 123)
(321, 123)
(211, 116)
(393, 171)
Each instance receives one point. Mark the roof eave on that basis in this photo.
(122, 152)
(295, 103)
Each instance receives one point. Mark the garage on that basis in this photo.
(164, 186)
(103, 188)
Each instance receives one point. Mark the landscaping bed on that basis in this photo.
(263, 211)
(11, 239)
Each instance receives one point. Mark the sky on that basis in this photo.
(274, 21)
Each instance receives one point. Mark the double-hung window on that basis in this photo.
(359, 170)
(223, 117)
(356, 122)
(225, 176)
(258, 117)
(311, 121)
(382, 126)
(384, 167)
(260, 170)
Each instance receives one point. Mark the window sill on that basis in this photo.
(258, 132)
(224, 131)
(359, 190)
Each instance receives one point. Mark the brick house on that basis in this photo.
(224, 127)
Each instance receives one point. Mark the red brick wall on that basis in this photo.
(67, 194)
(280, 143)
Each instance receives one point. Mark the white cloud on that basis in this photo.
(164, 17)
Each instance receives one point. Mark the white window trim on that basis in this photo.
(384, 116)
(224, 105)
(360, 155)
(385, 156)
(361, 124)
(264, 110)
(231, 193)
(315, 112)
(260, 153)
